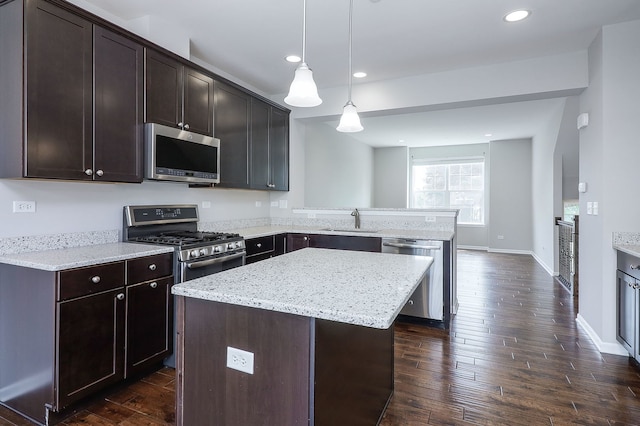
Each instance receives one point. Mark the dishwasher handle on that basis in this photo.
(203, 263)
(410, 246)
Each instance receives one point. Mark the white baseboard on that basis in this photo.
(604, 347)
(509, 251)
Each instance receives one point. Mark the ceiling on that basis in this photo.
(391, 38)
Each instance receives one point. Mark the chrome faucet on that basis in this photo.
(355, 213)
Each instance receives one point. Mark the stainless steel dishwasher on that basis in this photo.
(427, 301)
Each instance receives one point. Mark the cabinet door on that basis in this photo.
(279, 149)
(627, 305)
(149, 324)
(346, 242)
(90, 342)
(163, 89)
(260, 161)
(231, 126)
(198, 102)
(118, 108)
(297, 242)
(59, 93)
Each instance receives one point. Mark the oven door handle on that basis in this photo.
(203, 263)
(410, 246)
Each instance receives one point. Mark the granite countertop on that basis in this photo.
(353, 287)
(633, 250)
(261, 231)
(76, 257)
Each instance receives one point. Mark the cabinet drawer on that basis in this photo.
(259, 245)
(149, 268)
(93, 279)
(629, 264)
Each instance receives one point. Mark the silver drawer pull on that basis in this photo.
(153, 284)
(120, 296)
(259, 245)
(632, 267)
(95, 279)
(152, 267)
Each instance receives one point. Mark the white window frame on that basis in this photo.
(447, 191)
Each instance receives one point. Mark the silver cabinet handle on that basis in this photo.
(88, 172)
(632, 267)
(153, 284)
(95, 279)
(120, 296)
(305, 238)
(271, 185)
(186, 127)
(259, 245)
(99, 172)
(152, 267)
(410, 302)
(180, 125)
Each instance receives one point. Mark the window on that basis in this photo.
(450, 184)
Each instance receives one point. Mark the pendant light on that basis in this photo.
(303, 91)
(350, 122)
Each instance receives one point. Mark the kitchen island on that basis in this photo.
(316, 328)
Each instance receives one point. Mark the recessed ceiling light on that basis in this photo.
(359, 74)
(517, 15)
(293, 58)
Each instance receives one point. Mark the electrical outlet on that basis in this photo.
(283, 204)
(24, 206)
(274, 204)
(501, 237)
(311, 215)
(240, 360)
(258, 203)
(206, 204)
(429, 218)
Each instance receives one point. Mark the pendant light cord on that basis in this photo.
(304, 30)
(350, 44)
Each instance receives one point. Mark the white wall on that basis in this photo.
(338, 169)
(63, 207)
(391, 177)
(609, 152)
(510, 200)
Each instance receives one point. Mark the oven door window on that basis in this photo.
(204, 267)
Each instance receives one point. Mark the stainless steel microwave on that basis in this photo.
(181, 156)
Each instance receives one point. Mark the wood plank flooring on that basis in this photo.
(514, 356)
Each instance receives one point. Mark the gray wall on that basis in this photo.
(338, 169)
(391, 177)
(609, 152)
(510, 200)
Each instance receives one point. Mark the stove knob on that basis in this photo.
(230, 246)
(203, 251)
(217, 249)
(194, 253)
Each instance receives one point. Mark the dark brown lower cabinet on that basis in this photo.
(90, 341)
(306, 371)
(340, 242)
(67, 334)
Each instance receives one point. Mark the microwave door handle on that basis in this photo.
(411, 246)
(203, 263)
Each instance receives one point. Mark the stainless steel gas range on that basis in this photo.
(196, 253)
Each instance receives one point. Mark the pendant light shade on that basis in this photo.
(350, 121)
(303, 91)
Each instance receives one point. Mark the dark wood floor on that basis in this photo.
(514, 356)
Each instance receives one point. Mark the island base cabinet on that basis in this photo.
(306, 371)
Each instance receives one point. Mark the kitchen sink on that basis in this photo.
(366, 231)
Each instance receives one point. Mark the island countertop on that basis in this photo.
(353, 287)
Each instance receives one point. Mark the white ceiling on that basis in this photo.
(391, 38)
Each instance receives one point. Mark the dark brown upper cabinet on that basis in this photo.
(178, 96)
(82, 96)
(269, 147)
(232, 119)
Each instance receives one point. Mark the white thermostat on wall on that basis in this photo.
(582, 187)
